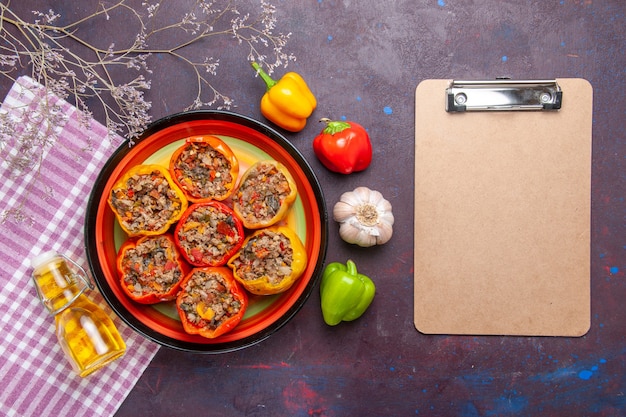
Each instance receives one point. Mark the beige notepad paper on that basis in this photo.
(502, 216)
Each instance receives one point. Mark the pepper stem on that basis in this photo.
(351, 267)
(269, 81)
(334, 126)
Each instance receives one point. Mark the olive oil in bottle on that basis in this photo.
(86, 333)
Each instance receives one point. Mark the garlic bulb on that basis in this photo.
(365, 217)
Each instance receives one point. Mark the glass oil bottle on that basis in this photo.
(86, 333)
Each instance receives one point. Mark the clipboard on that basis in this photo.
(503, 207)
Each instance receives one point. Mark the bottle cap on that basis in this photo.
(42, 258)
(58, 284)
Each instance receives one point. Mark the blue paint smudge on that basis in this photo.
(563, 43)
(479, 378)
(602, 360)
(441, 3)
(585, 374)
(330, 38)
(511, 402)
(505, 58)
(614, 270)
(470, 410)
(358, 98)
(388, 110)
(344, 118)
(557, 374)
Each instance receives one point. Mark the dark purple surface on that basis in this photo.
(363, 60)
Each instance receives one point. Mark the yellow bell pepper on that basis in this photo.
(258, 203)
(270, 261)
(287, 102)
(146, 201)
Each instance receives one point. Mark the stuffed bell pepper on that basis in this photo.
(210, 303)
(146, 201)
(266, 193)
(150, 269)
(208, 234)
(270, 261)
(205, 168)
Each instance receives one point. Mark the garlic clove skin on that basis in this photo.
(365, 217)
(358, 234)
(343, 211)
(351, 200)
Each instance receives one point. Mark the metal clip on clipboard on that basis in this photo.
(502, 95)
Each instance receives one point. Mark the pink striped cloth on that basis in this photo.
(47, 176)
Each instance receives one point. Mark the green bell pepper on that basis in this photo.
(345, 294)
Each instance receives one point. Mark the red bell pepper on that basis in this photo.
(343, 147)
(208, 234)
(211, 302)
(150, 269)
(204, 168)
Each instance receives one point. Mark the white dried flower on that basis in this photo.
(64, 64)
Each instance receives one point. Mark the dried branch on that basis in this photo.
(71, 67)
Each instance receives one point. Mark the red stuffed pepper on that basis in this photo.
(150, 269)
(210, 302)
(208, 234)
(205, 168)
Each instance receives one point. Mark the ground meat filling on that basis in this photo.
(146, 203)
(268, 254)
(151, 267)
(207, 301)
(203, 172)
(208, 234)
(262, 193)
